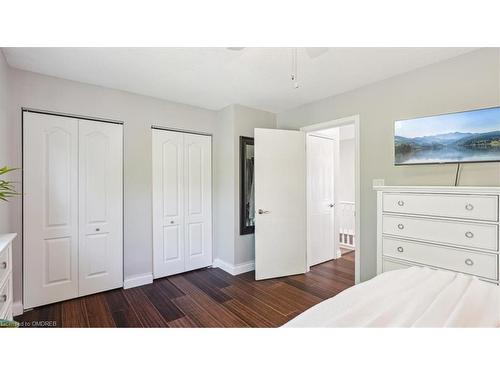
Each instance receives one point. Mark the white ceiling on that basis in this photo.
(216, 77)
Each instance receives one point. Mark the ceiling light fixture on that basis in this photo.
(312, 52)
(294, 69)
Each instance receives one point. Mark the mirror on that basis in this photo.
(247, 201)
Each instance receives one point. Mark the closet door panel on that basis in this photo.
(50, 209)
(198, 201)
(100, 206)
(168, 205)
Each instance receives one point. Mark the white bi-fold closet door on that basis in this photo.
(72, 207)
(182, 202)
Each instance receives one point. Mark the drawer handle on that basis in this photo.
(469, 207)
(3, 265)
(401, 203)
(401, 226)
(171, 221)
(400, 249)
(469, 262)
(97, 229)
(3, 298)
(469, 234)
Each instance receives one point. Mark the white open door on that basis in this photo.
(280, 202)
(321, 198)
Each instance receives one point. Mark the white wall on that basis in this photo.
(465, 82)
(233, 121)
(5, 144)
(224, 178)
(139, 113)
(245, 121)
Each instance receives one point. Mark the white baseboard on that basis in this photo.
(17, 308)
(137, 280)
(234, 269)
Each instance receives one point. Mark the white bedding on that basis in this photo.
(412, 297)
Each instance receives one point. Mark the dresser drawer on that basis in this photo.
(474, 207)
(389, 265)
(5, 297)
(479, 264)
(5, 263)
(466, 234)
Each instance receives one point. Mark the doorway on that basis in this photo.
(283, 224)
(333, 194)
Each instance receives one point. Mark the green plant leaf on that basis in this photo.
(7, 188)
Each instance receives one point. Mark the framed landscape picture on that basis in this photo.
(462, 137)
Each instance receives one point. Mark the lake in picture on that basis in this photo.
(471, 136)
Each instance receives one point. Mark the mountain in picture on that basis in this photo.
(481, 140)
(448, 147)
(490, 139)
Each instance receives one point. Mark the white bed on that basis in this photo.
(412, 297)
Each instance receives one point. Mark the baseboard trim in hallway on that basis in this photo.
(137, 280)
(234, 269)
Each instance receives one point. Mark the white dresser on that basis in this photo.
(6, 275)
(453, 228)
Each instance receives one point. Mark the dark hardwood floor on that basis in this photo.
(204, 298)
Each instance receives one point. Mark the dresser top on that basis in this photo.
(441, 189)
(5, 239)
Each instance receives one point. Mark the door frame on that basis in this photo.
(350, 120)
(212, 173)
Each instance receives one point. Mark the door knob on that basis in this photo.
(261, 211)
(331, 205)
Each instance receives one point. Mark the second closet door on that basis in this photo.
(182, 202)
(168, 203)
(100, 207)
